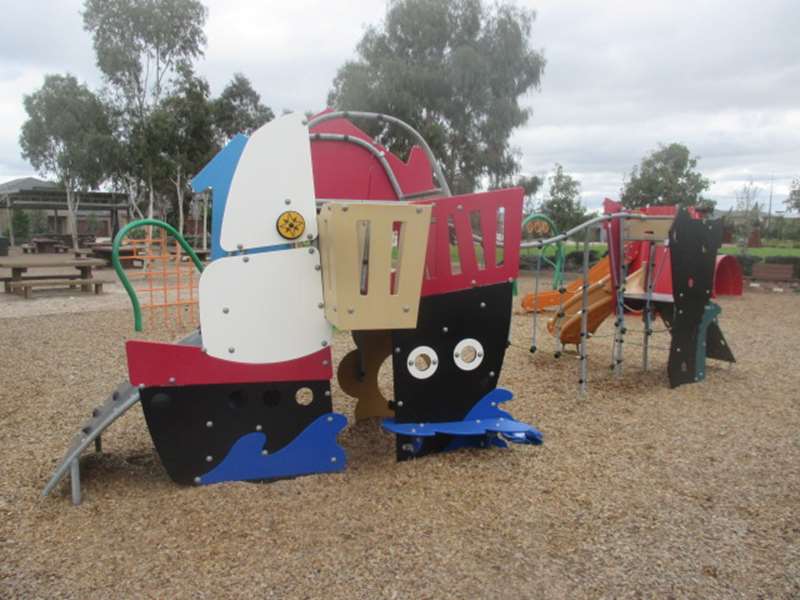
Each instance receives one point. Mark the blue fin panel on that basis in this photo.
(217, 175)
(484, 420)
(315, 450)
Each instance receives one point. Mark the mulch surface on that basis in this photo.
(638, 490)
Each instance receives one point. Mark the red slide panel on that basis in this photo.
(479, 263)
(156, 364)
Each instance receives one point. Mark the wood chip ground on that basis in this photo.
(638, 491)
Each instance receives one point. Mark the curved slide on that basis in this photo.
(552, 297)
(600, 305)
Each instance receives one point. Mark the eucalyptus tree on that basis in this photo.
(456, 71)
(68, 135)
(141, 47)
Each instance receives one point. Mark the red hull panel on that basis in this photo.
(157, 364)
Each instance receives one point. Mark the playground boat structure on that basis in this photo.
(316, 226)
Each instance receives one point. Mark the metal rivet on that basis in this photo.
(246, 258)
(204, 350)
(344, 209)
(264, 452)
(311, 250)
(141, 386)
(330, 419)
(287, 202)
(333, 459)
(209, 458)
(411, 363)
(325, 362)
(258, 427)
(399, 403)
(350, 311)
(510, 280)
(483, 304)
(445, 329)
(209, 424)
(419, 211)
(459, 207)
(226, 310)
(456, 355)
(172, 380)
(473, 283)
(197, 480)
(397, 350)
(491, 373)
(317, 268)
(406, 308)
(310, 236)
(320, 305)
(327, 392)
(239, 246)
(324, 343)
(231, 349)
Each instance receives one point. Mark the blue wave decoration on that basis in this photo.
(483, 421)
(314, 450)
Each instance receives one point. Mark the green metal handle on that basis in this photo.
(560, 256)
(137, 309)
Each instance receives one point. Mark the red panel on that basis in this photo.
(439, 278)
(345, 171)
(159, 364)
(727, 276)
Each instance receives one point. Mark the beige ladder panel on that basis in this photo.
(365, 286)
(647, 230)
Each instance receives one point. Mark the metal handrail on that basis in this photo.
(345, 114)
(590, 223)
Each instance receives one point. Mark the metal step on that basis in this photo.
(114, 407)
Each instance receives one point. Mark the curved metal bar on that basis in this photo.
(137, 310)
(560, 256)
(339, 137)
(590, 223)
(345, 114)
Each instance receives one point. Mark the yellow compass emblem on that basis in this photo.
(291, 225)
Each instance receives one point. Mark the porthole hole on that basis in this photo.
(304, 396)
(237, 399)
(271, 398)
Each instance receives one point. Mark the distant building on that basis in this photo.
(99, 213)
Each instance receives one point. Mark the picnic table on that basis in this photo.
(21, 282)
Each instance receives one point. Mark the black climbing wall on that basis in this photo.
(693, 252)
(481, 313)
(178, 418)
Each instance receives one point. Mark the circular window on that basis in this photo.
(304, 396)
(422, 362)
(468, 354)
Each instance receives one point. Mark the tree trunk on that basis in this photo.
(72, 215)
(205, 220)
(151, 198)
(178, 181)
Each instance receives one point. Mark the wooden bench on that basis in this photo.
(7, 280)
(27, 285)
(773, 272)
(28, 249)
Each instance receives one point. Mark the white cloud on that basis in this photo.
(621, 77)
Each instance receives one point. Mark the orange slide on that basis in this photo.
(551, 297)
(600, 305)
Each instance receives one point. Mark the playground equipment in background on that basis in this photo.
(638, 242)
(314, 226)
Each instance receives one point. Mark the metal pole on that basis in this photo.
(649, 281)
(10, 216)
(75, 481)
(536, 298)
(618, 349)
(584, 312)
(205, 219)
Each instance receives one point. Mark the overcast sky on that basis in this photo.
(722, 77)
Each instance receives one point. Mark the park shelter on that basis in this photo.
(102, 212)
